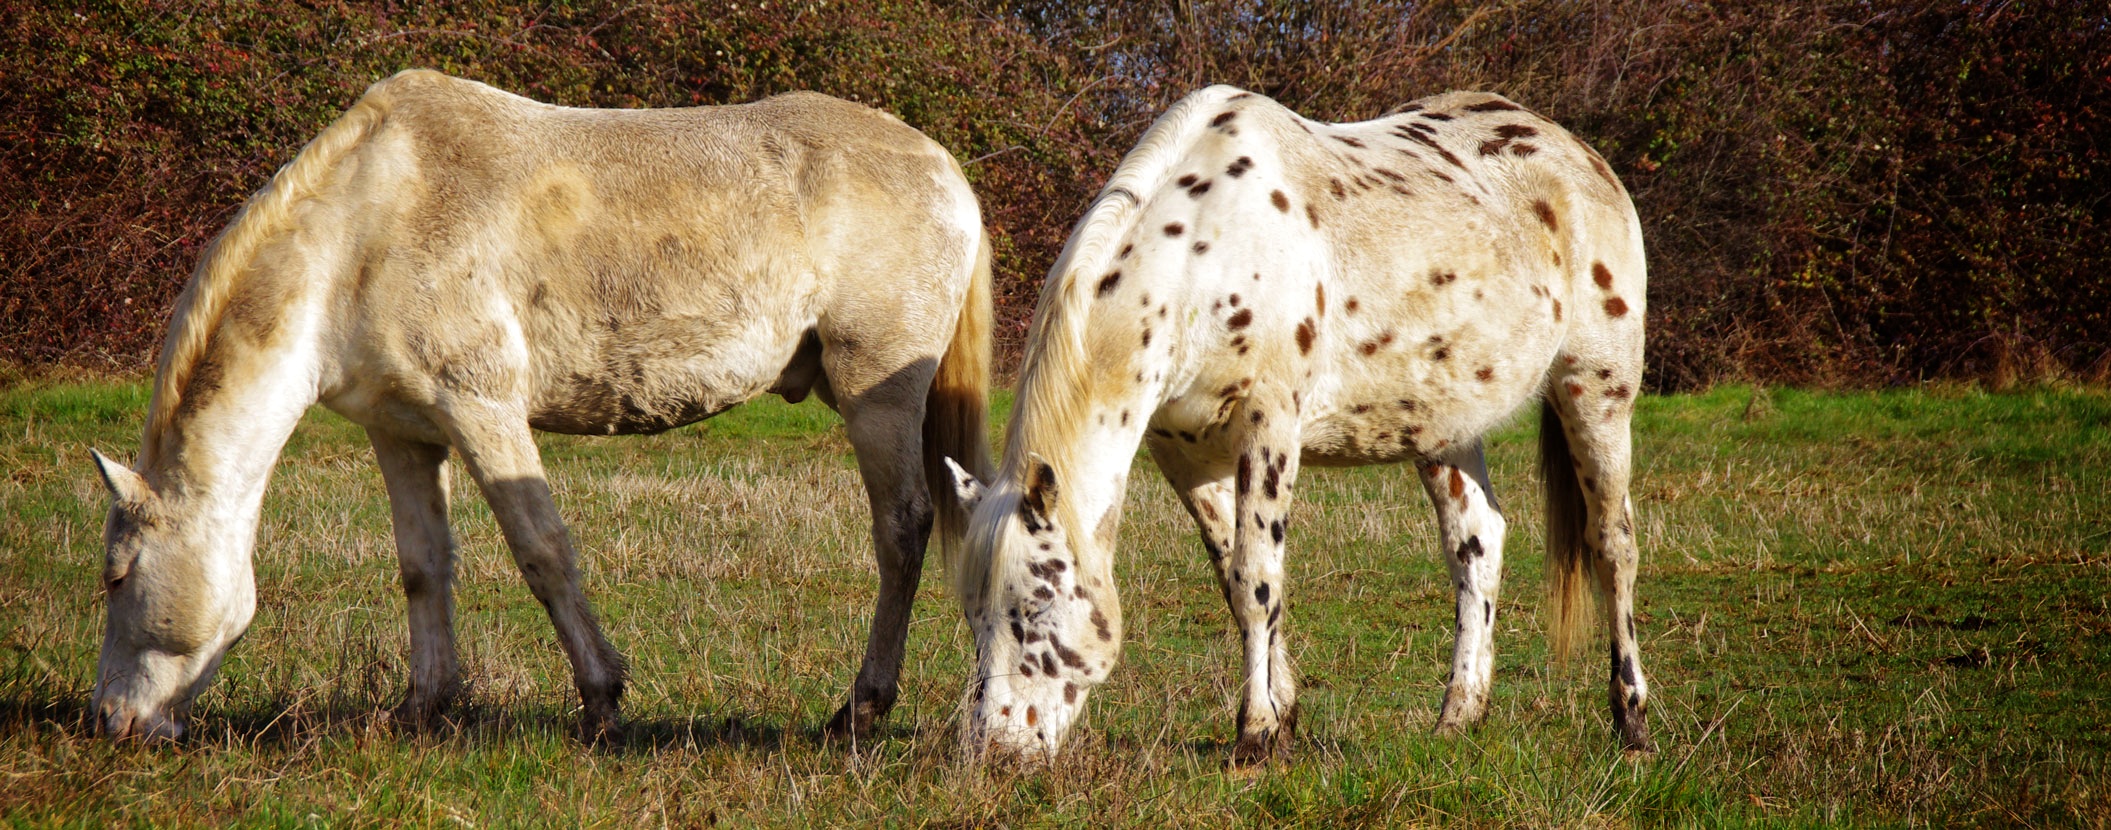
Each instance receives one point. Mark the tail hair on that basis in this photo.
(956, 414)
(1569, 570)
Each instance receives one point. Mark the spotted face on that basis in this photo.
(176, 601)
(1046, 629)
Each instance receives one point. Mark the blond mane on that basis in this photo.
(1058, 380)
(219, 273)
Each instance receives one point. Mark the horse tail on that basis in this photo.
(1569, 569)
(264, 218)
(956, 413)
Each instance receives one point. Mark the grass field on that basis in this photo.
(1868, 608)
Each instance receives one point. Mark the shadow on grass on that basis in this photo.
(287, 722)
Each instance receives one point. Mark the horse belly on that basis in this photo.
(655, 380)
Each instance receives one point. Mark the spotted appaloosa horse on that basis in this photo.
(1253, 292)
(450, 266)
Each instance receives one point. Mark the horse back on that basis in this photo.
(628, 270)
(1406, 283)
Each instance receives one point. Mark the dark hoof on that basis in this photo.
(1261, 748)
(855, 721)
(1637, 742)
(421, 714)
(600, 728)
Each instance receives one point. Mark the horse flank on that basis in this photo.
(199, 309)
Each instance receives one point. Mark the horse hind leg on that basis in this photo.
(416, 476)
(884, 423)
(501, 455)
(1594, 406)
(1470, 528)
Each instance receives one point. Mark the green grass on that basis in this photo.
(1858, 608)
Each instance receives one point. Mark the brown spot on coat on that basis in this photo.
(1281, 202)
(1545, 212)
(1458, 483)
(1197, 191)
(1484, 375)
(1238, 168)
(1241, 319)
(1492, 106)
(1515, 131)
(1174, 229)
(1107, 284)
(1223, 118)
(1201, 247)
(1311, 214)
(1349, 140)
(1601, 275)
(1616, 307)
(1305, 332)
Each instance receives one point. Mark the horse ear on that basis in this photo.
(1041, 490)
(965, 485)
(126, 486)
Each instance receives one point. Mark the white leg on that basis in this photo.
(1470, 529)
(1266, 472)
(1594, 408)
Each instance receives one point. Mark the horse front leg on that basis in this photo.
(416, 476)
(1470, 527)
(1206, 492)
(501, 455)
(1266, 470)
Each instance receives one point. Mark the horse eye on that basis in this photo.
(114, 584)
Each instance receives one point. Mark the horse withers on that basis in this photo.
(1253, 292)
(451, 266)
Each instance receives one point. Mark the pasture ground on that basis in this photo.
(1857, 608)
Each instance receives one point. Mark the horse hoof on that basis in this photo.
(853, 721)
(1450, 728)
(420, 715)
(1261, 748)
(600, 729)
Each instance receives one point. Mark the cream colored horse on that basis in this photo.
(1253, 292)
(449, 265)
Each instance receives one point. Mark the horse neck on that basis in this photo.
(214, 451)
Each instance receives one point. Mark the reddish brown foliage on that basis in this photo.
(1839, 192)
